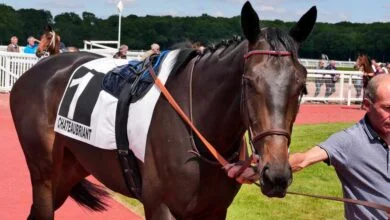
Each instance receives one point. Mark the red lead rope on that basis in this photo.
(176, 106)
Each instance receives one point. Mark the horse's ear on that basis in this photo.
(250, 23)
(47, 28)
(304, 26)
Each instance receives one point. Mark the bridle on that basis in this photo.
(263, 134)
(267, 132)
(46, 52)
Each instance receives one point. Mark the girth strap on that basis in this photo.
(127, 159)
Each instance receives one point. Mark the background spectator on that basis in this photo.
(373, 64)
(380, 68)
(31, 46)
(388, 67)
(122, 52)
(331, 83)
(199, 47)
(13, 46)
(154, 49)
(319, 80)
(358, 82)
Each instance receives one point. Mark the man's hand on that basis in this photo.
(298, 161)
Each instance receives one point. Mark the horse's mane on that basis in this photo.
(277, 39)
(183, 57)
(274, 36)
(186, 52)
(225, 44)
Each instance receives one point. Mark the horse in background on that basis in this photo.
(363, 64)
(50, 44)
(253, 84)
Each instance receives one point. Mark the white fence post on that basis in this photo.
(349, 90)
(341, 95)
(7, 84)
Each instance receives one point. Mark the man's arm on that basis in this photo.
(299, 161)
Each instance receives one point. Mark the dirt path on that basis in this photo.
(314, 114)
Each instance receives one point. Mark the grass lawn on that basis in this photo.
(318, 179)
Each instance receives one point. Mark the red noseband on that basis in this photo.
(267, 52)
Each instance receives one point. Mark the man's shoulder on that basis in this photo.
(354, 129)
(345, 136)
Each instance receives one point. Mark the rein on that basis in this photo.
(195, 149)
(178, 109)
(345, 200)
(263, 134)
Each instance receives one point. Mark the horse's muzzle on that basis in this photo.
(39, 54)
(274, 181)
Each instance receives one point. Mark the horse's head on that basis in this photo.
(363, 63)
(273, 83)
(49, 43)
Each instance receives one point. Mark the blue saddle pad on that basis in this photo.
(114, 80)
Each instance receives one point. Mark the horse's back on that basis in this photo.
(51, 73)
(49, 67)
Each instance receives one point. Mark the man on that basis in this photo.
(319, 80)
(13, 46)
(330, 84)
(154, 49)
(360, 154)
(31, 46)
(122, 52)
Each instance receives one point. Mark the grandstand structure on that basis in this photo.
(348, 87)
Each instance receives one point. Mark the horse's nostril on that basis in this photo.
(264, 177)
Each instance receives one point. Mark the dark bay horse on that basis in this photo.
(50, 43)
(254, 83)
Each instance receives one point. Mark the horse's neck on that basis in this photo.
(217, 91)
(367, 68)
(55, 50)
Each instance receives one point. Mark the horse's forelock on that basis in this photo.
(279, 40)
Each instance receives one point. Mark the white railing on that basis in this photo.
(347, 89)
(313, 63)
(12, 66)
(100, 47)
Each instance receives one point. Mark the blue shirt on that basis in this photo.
(362, 163)
(30, 49)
